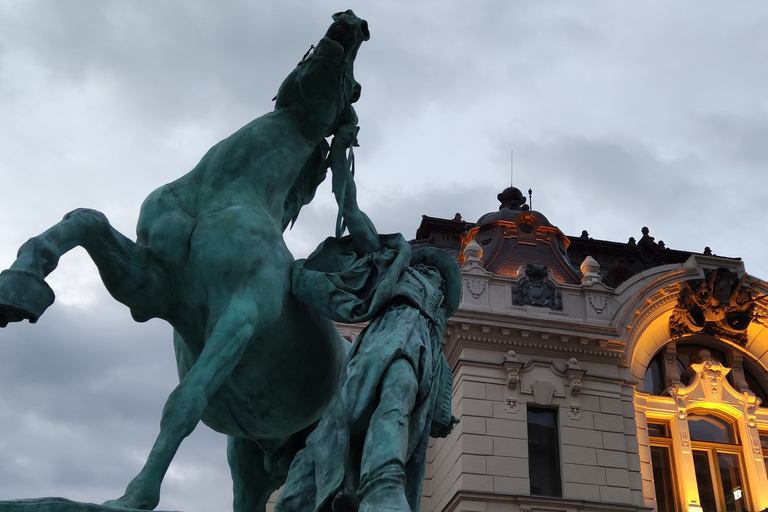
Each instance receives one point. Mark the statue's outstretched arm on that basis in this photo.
(361, 229)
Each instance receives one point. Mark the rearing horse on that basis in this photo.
(254, 363)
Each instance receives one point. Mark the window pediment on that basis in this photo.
(710, 388)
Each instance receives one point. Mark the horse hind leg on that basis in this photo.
(257, 472)
(252, 482)
(126, 268)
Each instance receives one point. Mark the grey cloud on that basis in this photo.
(619, 118)
(83, 388)
(739, 138)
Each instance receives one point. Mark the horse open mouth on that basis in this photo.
(342, 34)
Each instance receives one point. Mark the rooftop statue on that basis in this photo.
(210, 259)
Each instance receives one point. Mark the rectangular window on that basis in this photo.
(543, 452)
(718, 477)
(704, 480)
(730, 482)
(662, 479)
(658, 430)
(661, 463)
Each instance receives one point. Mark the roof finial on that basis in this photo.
(512, 199)
(511, 167)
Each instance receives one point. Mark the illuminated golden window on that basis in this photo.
(702, 427)
(764, 446)
(711, 429)
(663, 469)
(716, 458)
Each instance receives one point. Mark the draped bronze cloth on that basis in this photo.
(406, 321)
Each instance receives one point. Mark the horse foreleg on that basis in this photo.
(186, 404)
(126, 268)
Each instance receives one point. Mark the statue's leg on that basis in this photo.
(251, 482)
(382, 470)
(299, 493)
(244, 314)
(126, 268)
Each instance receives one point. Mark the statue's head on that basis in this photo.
(322, 87)
(443, 272)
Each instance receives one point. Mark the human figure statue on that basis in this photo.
(368, 452)
(254, 362)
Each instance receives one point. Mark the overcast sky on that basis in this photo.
(621, 115)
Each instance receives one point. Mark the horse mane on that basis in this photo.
(312, 174)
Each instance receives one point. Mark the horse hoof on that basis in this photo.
(23, 295)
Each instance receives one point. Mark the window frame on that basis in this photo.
(763, 437)
(675, 410)
(666, 442)
(713, 450)
(557, 464)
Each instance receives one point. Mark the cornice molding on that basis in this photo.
(462, 335)
(528, 503)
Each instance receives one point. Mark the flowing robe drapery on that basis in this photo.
(406, 321)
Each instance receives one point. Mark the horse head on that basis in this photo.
(320, 90)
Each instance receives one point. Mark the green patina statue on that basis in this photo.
(210, 259)
(343, 435)
(368, 452)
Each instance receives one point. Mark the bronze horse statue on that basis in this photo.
(254, 363)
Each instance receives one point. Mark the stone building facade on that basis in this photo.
(598, 376)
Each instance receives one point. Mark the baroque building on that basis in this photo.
(598, 376)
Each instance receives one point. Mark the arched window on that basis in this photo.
(705, 431)
(711, 429)
(653, 383)
(658, 374)
(755, 387)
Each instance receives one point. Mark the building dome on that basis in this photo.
(515, 235)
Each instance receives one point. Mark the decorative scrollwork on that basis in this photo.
(598, 303)
(720, 305)
(535, 289)
(476, 287)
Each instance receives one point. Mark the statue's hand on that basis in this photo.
(346, 136)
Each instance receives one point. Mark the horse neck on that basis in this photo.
(258, 164)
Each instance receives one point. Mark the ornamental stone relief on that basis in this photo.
(537, 289)
(711, 386)
(721, 305)
(544, 383)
